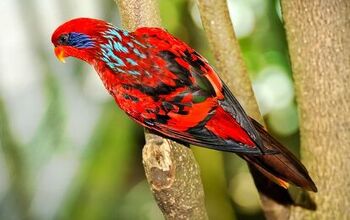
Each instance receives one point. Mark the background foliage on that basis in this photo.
(67, 152)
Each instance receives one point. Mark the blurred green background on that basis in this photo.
(67, 151)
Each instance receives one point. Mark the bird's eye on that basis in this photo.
(63, 39)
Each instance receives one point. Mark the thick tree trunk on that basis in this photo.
(218, 26)
(319, 45)
(170, 168)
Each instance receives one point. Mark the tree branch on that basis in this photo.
(139, 13)
(224, 45)
(170, 168)
(319, 45)
(217, 24)
(174, 177)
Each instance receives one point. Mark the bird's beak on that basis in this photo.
(59, 52)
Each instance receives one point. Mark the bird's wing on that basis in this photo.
(193, 105)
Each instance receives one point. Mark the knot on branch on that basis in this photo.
(159, 166)
(174, 177)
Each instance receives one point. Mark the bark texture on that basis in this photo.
(225, 48)
(319, 45)
(174, 177)
(224, 45)
(170, 168)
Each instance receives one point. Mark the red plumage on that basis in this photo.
(166, 86)
(225, 126)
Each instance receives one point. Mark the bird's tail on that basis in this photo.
(282, 167)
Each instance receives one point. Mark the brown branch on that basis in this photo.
(139, 13)
(223, 42)
(319, 45)
(174, 177)
(170, 168)
(225, 47)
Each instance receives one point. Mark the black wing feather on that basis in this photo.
(231, 105)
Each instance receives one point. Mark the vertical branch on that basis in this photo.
(217, 24)
(224, 45)
(170, 168)
(139, 13)
(319, 45)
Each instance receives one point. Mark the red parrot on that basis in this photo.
(166, 86)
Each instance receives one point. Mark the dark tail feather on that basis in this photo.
(286, 197)
(282, 167)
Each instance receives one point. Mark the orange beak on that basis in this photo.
(59, 52)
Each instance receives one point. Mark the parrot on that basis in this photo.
(167, 87)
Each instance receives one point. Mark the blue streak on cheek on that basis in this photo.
(80, 40)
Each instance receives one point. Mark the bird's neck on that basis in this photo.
(120, 58)
(120, 53)
(109, 78)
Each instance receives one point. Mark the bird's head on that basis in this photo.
(78, 38)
